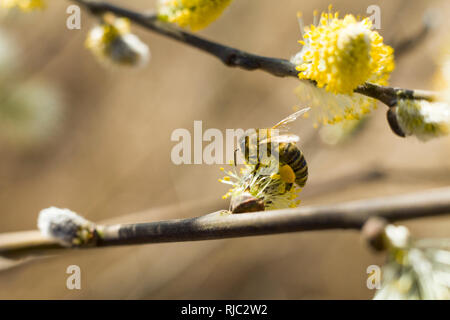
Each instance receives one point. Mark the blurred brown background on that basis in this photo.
(109, 156)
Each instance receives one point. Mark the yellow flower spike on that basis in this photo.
(193, 14)
(339, 55)
(24, 5)
(270, 189)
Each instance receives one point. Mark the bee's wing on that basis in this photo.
(285, 138)
(250, 134)
(283, 125)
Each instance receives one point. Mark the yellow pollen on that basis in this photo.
(287, 174)
(275, 176)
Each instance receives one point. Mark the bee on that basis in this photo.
(291, 165)
(258, 146)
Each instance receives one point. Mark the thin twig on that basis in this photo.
(222, 224)
(237, 58)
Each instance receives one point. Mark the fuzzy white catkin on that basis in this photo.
(423, 119)
(114, 44)
(130, 48)
(61, 224)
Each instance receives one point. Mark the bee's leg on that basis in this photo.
(289, 186)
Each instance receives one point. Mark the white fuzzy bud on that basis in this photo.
(113, 42)
(66, 226)
(398, 237)
(423, 119)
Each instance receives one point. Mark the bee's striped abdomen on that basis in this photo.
(291, 155)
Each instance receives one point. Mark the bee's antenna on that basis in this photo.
(235, 161)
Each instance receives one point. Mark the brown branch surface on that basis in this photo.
(222, 224)
(237, 58)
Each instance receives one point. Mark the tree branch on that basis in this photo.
(222, 224)
(237, 58)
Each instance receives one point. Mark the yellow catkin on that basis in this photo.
(192, 14)
(341, 54)
(25, 5)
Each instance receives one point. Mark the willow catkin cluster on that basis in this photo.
(338, 55)
(269, 184)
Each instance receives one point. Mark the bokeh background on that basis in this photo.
(96, 140)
